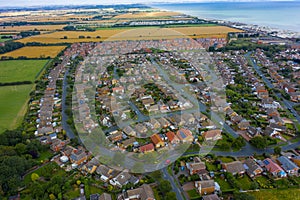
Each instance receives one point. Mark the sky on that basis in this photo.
(17, 3)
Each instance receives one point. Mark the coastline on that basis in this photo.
(238, 22)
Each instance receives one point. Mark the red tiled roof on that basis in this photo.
(147, 147)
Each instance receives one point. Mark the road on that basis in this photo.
(64, 123)
(175, 188)
(287, 104)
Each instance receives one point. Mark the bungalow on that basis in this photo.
(118, 90)
(57, 145)
(105, 196)
(184, 135)
(270, 132)
(252, 131)
(274, 168)
(271, 112)
(252, 168)
(104, 172)
(129, 131)
(155, 124)
(290, 167)
(157, 141)
(172, 137)
(277, 127)
(140, 128)
(144, 192)
(163, 122)
(205, 187)
(210, 197)
(235, 167)
(195, 167)
(116, 137)
(128, 142)
(244, 124)
(212, 135)
(121, 179)
(147, 148)
(236, 119)
(78, 156)
(189, 118)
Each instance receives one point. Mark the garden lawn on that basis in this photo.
(13, 104)
(20, 70)
(277, 194)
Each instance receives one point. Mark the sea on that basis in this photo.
(284, 15)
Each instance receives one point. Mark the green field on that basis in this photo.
(4, 39)
(276, 194)
(20, 70)
(13, 102)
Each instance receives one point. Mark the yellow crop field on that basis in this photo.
(72, 36)
(131, 34)
(30, 28)
(35, 52)
(146, 15)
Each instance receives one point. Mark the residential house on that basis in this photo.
(121, 179)
(57, 145)
(212, 135)
(195, 167)
(274, 168)
(116, 137)
(252, 168)
(270, 132)
(277, 127)
(210, 197)
(147, 148)
(78, 156)
(252, 131)
(155, 124)
(235, 167)
(244, 124)
(271, 112)
(163, 122)
(184, 135)
(104, 172)
(157, 141)
(129, 131)
(144, 192)
(105, 196)
(290, 167)
(172, 137)
(128, 142)
(205, 187)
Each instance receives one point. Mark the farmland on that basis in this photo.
(20, 70)
(35, 52)
(134, 34)
(13, 102)
(146, 15)
(31, 28)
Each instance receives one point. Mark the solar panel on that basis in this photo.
(182, 134)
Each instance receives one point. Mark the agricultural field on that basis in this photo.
(277, 194)
(4, 39)
(13, 104)
(20, 70)
(131, 34)
(35, 52)
(146, 15)
(32, 28)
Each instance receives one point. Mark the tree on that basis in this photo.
(52, 197)
(34, 177)
(164, 186)
(170, 196)
(259, 142)
(277, 150)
